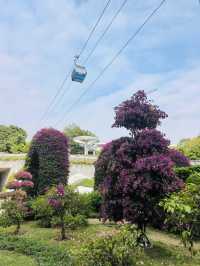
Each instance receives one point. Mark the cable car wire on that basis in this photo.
(53, 100)
(49, 107)
(105, 31)
(112, 60)
(94, 28)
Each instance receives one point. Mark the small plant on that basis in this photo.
(42, 211)
(13, 211)
(71, 222)
(114, 250)
(14, 208)
(63, 202)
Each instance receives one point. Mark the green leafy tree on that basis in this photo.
(184, 214)
(72, 131)
(190, 147)
(12, 139)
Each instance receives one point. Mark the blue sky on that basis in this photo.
(38, 40)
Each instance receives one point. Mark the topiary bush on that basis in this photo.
(48, 160)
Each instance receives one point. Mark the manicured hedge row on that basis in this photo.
(43, 254)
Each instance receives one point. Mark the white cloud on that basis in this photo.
(40, 39)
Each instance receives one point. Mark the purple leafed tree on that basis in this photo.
(134, 173)
(138, 113)
(179, 159)
(48, 160)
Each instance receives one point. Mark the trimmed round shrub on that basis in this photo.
(48, 160)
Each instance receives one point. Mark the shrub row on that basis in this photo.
(43, 254)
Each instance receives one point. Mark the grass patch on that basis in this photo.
(13, 158)
(36, 241)
(87, 182)
(83, 161)
(9, 258)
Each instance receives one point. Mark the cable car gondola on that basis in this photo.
(79, 72)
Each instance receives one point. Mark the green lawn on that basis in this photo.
(166, 251)
(87, 182)
(8, 258)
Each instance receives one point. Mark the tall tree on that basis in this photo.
(190, 147)
(137, 171)
(12, 139)
(48, 160)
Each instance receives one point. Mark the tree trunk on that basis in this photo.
(63, 235)
(17, 228)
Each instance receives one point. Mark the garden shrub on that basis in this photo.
(116, 250)
(194, 179)
(185, 172)
(89, 204)
(48, 160)
(43, 212)
(71, 222)
(12, 213)
(184, 213)
(81, 204)
(44, 254)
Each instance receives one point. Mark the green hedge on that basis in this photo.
(43, 254)
(185, 172)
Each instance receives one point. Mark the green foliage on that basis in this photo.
(194, 178)
(184, 172)
(89, 204)
(12, 139)
(43, 212)
(190, 147)
(10, 258)
(12, 214)
(72, 131)
(71, 222)
(184, 213)
(45, 255)
(116, 250)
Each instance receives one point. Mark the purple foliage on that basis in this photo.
(138, 113)
(23, 175)
(179, 159)
(22, 181)
(134, 173)
(48, 159)
(150, 142)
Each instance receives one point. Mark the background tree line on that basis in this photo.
(12, 139)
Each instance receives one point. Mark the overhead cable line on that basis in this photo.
(112, 60)
(95, 26)
(81, 52)
(105, 31)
